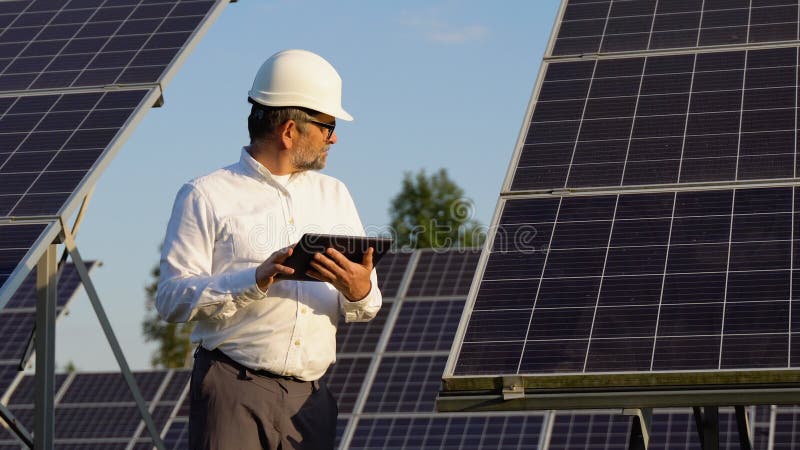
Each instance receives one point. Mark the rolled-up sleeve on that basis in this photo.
(187, 289)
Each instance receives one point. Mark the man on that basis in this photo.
(263, 342)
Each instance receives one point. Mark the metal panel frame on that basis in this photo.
(30, 259)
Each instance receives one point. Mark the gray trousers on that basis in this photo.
(233, 408)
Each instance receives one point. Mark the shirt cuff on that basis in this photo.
(243, 284)
(353, 311)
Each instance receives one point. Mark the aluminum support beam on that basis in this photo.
(46, 288)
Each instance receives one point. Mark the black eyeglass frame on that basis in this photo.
(328, 126)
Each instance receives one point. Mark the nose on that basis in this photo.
(333, 138)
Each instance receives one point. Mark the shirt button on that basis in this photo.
(291, 221)
(297, 343)
(304, 310)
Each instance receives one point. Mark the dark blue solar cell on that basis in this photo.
(86, 45)
(504, 325)
(629, 290)
(167, 40)
(154, 57)
(34, 19)
(19, 123)
(18, 37)
(61, 121)
(489, 357)
(19, 236)
(44, 141)
(687, 353)
(97, 77)
(86, 139)
(13, 7)
(620, 355)
(690, 319)
(81, 102)
(94, 30)
(192, 8)
(113, 14)
(53, 182)
(7, 202)
(111, 59)
(121, 99)
(538, 357)
(72, 17)
(75, 160)
(16, 82)
(54, 80)
(152, 11)
(140, 74)
(121, 43)
(69, 62)
(46, 48)
(180, 24)
(27, 162)
(144, 26)
(10, 50)
(107, 119)
(40, 204)
(33, 104)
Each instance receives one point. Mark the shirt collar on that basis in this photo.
(260, 172)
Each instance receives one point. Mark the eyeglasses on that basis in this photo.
(327, 126)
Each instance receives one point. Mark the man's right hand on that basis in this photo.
(272, 267)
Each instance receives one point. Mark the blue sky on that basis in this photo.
(431, 84)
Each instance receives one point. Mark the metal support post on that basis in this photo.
(743, 424)
(22, 433)
(707, 421)
(88, 286)
(46, 279)
(639, 438)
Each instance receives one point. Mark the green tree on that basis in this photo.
(432, 212)
(174, 347)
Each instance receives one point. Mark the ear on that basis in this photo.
(288, 133)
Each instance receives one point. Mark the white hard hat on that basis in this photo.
(299, 78)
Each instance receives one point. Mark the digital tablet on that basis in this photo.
(353, 247)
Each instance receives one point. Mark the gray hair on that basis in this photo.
(264, 120)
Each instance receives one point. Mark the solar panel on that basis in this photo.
(637, 283)
(428, 433)
(662, 120)
(51, 143)
(74, 78)
(425, 326)
(590, 26)
(361, 337)
(443, 273)
(93, 411)
(344, 379)
(390, 272)
(56, 45)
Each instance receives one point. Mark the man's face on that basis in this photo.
(312, 149)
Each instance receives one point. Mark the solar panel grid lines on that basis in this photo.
(362, 337)
(443, 431)
(622, 26)
(344, 378)
(612, 273)
(444, 273)
(653, 120)
(51, 142)
(103, 416)
(80, 45)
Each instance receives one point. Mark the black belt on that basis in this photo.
(217, 355)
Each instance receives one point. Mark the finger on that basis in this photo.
(286, 270)
(367, 260)
(337, 256)
(323, 271)
(283, 255)
(332, 265)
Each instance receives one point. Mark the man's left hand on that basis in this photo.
(349, 278)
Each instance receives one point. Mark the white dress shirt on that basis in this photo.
(223, 226)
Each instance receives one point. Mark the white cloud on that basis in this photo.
(437, 30)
